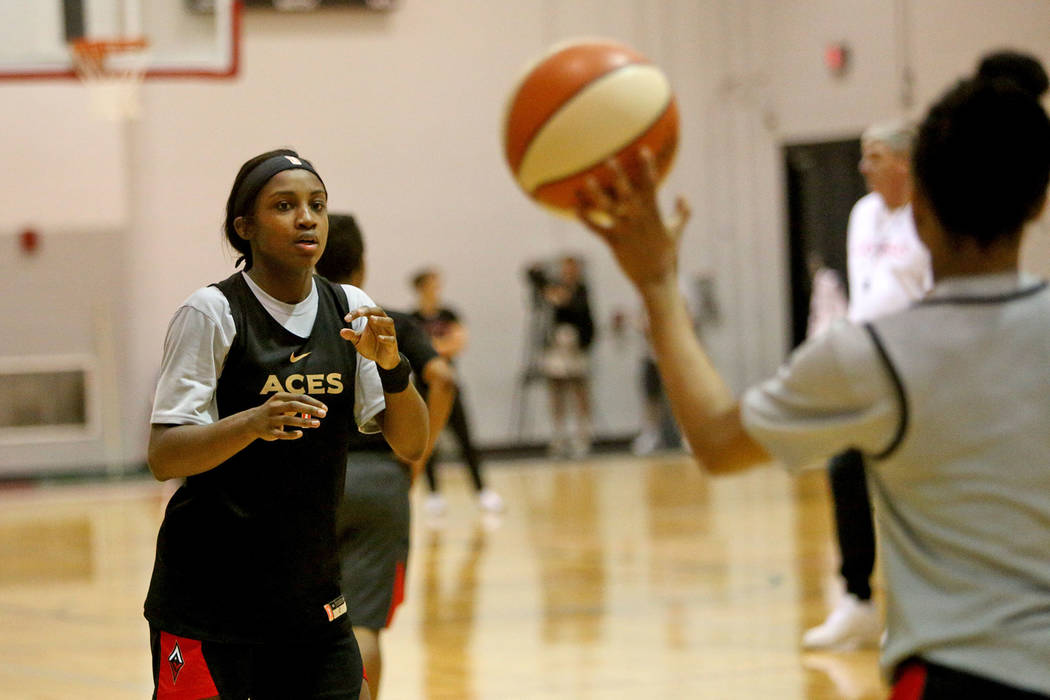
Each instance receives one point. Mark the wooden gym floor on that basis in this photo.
(612, 577)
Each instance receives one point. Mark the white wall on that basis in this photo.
(401, 114)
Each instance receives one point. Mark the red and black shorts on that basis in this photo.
(917, 679)
(190, 669)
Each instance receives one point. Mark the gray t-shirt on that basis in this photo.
(960, 404)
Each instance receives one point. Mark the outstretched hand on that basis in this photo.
(377, 340)
(627, 216)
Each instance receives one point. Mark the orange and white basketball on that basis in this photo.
(578, 105)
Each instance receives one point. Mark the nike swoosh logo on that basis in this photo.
(296, 358)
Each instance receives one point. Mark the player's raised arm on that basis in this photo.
(627, 217)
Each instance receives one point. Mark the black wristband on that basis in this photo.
(396, 380)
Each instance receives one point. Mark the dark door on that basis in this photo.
(823, 184)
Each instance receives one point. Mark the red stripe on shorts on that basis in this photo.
(183, 673)
(399, 592)
(910, 683)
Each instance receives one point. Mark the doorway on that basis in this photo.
(823, 184)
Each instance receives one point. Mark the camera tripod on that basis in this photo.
(537, 326)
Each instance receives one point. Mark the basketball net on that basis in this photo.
(112, 70)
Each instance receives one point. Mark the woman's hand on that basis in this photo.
(185, 450)
(271, 420)
(627, 216)
(377, 340)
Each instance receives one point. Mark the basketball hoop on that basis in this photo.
(112, 70)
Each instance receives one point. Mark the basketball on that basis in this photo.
(580, 104)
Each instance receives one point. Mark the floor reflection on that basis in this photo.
(563, 522)
(447, 619)
(608, 579)
(843, 675)
(675, 526)
(46, 550)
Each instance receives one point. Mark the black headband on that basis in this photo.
(258, 176)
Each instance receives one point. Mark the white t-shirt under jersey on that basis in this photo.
(888, 265)
(199, 338)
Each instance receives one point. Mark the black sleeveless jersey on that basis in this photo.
(247, 550)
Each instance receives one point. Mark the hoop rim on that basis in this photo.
(100, 47)
(91, 57)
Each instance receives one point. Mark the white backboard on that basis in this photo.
(186, 38)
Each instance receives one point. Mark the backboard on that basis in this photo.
(186, 39)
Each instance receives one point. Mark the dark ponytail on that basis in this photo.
(1021, 69)
(983, 155)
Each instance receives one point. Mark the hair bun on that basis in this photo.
(1022, 70)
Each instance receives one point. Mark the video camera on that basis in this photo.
(536, 275)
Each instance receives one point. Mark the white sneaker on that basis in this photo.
(435, 505)
(851, 625)
(490, 501)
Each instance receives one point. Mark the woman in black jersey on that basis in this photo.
(258, 396)
(566, 357)
(448, 334)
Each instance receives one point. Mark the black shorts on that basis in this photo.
(190, 669)
(373, 532)
(651, 382)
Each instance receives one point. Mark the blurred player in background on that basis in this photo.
(374, 518)
(449, 336)
(565, 361)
